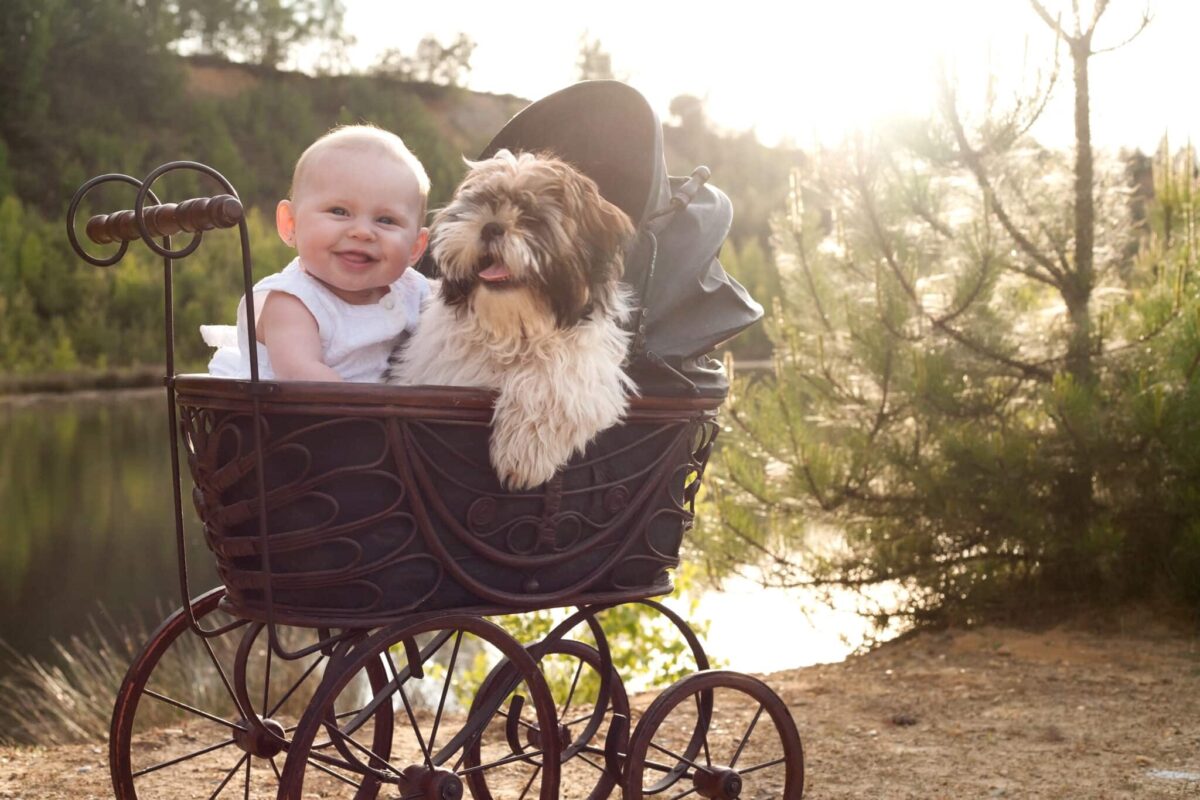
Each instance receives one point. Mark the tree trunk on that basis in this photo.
(1076, 482)
(1078, 294)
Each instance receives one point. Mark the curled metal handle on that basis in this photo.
(190, 216)
(685, 194)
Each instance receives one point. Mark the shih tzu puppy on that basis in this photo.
(530, 304)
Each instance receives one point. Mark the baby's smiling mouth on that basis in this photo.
(359, 257)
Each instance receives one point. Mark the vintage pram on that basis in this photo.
(363, 543)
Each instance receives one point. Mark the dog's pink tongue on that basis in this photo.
(496, 272)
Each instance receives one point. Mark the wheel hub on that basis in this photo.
(718, 783)
(433, 784)
(533, 737)
(261, 737)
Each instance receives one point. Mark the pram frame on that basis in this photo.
(353, 644)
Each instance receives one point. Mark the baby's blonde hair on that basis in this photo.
(364, 137)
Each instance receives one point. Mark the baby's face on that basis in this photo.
(357, 223)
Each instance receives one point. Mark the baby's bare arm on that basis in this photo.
(292, 339)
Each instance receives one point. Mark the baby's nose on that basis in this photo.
(362, 228)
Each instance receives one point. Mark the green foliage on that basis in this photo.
(260, 31)
(434, 62)
(646, 649)
(925, 407)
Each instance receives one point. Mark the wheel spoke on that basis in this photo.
(662, 767)
(525, 756)
(362, 749)
(571, 694)
(578, 720)
(746, 737)
(470, 741)
(764, 765)
(192, 710)
(229, 776)
(314, 763)
(687, 761)
(437, 719)
(682, 795)
(591, 763)
(247, 794)
(522, 722)
(224, 678)
(412, 718)
(275, 769)
(181, 759)
(343, 715)
(532, 778)
(701, 721)
(288, 694)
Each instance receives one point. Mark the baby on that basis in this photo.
(355, 217)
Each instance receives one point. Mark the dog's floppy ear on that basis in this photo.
(605, 231)
(455, 293)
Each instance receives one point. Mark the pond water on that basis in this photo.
(86, 530)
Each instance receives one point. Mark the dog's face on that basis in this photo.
(530, 235)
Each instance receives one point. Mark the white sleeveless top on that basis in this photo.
(356, 340)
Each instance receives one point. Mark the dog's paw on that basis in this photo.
(520, 472)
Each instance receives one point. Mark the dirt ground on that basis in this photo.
(985, 713)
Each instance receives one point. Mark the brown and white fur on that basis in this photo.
(529, 304)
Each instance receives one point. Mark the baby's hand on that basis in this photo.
(290, 333)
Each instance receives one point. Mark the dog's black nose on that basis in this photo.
(493, 230)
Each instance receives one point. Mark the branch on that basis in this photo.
(740, 534)
(973, 162)
(915, 206)
(1145, 337)
(1029, 370)
(798, 236)
(1053, 22)
(1146, 19)
(1059, 247)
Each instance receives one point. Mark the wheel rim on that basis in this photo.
(577, 700)
(749, 746)
(177, 729)
(437, 686)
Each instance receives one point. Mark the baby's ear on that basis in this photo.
(285, 222)
(419, 246)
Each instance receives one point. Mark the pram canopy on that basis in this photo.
(690, 305)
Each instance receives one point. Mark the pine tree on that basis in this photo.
(966, 369)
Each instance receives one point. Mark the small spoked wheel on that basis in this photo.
(203, 716)
(450, 724)
(717, 735)
(588, 695)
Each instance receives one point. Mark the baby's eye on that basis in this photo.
(339, 211)
(387, 221)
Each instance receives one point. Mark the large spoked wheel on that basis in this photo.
(717, 735)
(179, 731)
(450, 725)
(588, 698)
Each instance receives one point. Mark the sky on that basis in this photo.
(813, 70)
